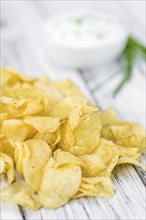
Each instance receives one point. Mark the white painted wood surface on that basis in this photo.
(23, 47)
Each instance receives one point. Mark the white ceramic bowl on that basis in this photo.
(90, 55)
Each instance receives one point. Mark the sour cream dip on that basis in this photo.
(85, 39)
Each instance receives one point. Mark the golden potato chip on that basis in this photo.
(12, 82)
(16, 129)
(67, 138)
(11, 76)
(62, 158)
(57, 96)
(135, 162)
(109, 153)
(19, 155)
(52, 139)
(59, 185)
(130, 136)
(64, 108)
(22, 107)
(103, 161)
(74, 118)
(31, 164)
(129, 152)
(87, 133)
(21, 195)
(85, 137)
(6, 166)
(109, 117)
(6, 147)
(96, 186)
(93, 165)
(43, 124)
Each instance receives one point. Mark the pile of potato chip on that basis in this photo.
(58, 142)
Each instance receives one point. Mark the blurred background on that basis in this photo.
(23, 47)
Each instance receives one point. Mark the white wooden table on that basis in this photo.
(23, 48)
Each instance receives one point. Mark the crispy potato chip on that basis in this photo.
(31, 165)
(22, 107)
(19, 155)
(109, 153)
(16, 129)
(12, 82)
(103, 161)
(6, 166)
(85, 137)
(11, 76)
(93, 165)
(87, 133)
(109, 117)
(52, 139)
(21, 195)
(130, 136)
(57, 96)
(43, 124)
(62, 158)
(135, 162)
(6, 147)
(64, 108)
(96, 186)
(129, 152)
(59, 185)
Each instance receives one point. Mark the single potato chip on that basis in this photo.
(43, 124)
(16, 129)
(34, 155)
(6, 166)
(52, 139)
(6, 147)
(59, 185)
(130, 136)
(96, 186)
(85, 137)
(21, 195)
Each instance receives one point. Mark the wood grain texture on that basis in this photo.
(23, 47)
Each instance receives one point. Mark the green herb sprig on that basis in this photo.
(133, 50)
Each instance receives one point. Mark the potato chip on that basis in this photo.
(19, 155)
(85, 137)
(60, 145)
(64, 108)
(62, 158)
(135, 162)
(103, 161)
(11, 76)
(96, 186)
(16, 129)
(43, 124)
(130, 136)
(12, 82)
(31, 164)
(52, 139)
(109, 117)
(21, 195)
(6, 166)
(57, 96)
(129, 152)
(22, 107)
(6, 147)
(59, 185)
